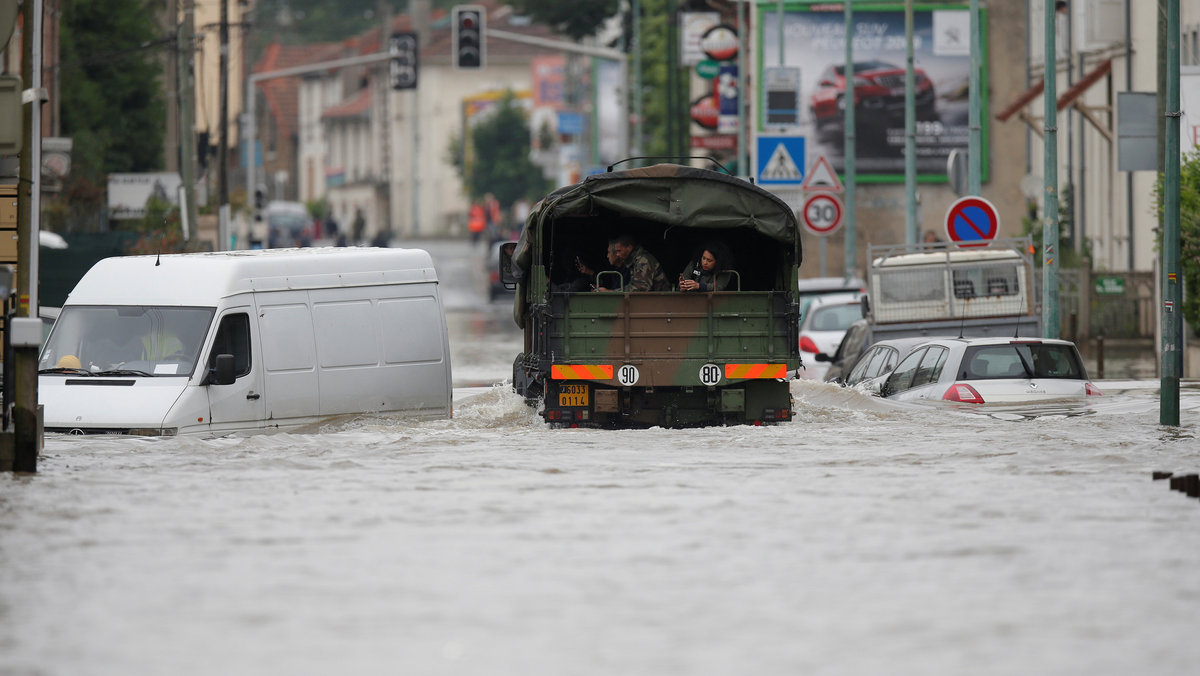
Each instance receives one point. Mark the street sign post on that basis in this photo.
(822, 213)
(972, 221)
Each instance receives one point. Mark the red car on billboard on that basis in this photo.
(878, 96)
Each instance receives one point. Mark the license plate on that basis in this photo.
(575, 394)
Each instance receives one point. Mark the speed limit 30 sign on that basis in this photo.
(822, 213)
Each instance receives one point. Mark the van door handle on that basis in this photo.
(252, 396)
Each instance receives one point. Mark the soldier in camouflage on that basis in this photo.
(638, 266)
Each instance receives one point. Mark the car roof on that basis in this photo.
(996, 340)
(843, 297)
(830, 284)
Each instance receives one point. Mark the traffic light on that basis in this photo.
(260, 202)
(468, 37)
(403, 66)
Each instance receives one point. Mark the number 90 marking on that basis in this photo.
(710, 374)
(627, 375)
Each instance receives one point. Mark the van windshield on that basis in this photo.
(126, 340)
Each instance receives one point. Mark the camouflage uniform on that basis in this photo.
(645, 274)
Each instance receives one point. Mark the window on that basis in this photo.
(931, 366)
(1022, 360)
(902, 378)
(903, 286)
(233, 337)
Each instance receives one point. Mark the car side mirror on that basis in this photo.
(505, 263)
(821, 356)
(222, 373)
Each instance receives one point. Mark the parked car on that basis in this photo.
(990, 370)
(820, 286)
(855, 341)
(823, 322)
(878, 361)
(878, 96)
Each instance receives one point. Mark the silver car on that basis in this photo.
(990, 370)
(877, 363)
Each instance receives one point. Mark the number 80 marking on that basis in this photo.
(710, 374)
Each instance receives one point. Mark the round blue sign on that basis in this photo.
(972, 221)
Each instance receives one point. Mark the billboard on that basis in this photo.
(814, 41)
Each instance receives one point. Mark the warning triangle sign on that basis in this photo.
(781, 166)
(821, 177)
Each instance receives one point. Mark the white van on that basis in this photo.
(212, 343)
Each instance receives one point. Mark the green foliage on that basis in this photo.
(304, 22)
(500, 161)
(1068, 256)
(575, 19)
(317, 208)
(1189, 233)
(112, 103)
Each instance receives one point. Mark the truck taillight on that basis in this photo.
(964, 393)
(807, 345)
(1091, 390)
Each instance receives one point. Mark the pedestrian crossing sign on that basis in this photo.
(780, 160)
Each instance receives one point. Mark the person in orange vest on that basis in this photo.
(476, 221)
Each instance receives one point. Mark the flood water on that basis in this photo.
(863, 537)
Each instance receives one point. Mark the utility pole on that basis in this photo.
(223, 132)
(911, 231)
(975, 135)
(1050, 319)
(1172, 311)
(849, 144)
(187, 111)
(27, 439)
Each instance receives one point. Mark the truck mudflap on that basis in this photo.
(587, 403)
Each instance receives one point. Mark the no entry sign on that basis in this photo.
(822, 213)
(972, 221)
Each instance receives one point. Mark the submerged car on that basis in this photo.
(878, 361)
(990, 370)
(878, 96)
(823, 323)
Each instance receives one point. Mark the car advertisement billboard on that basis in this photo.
(814, 41)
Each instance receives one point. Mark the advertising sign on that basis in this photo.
(128, 193)
(726, 91)
(692, 27)
(814, 38)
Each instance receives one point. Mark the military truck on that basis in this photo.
(666, 358)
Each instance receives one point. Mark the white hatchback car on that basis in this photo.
(990, 370)
(877, 363)
(822, 326)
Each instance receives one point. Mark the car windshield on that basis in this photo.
(126, 339)
(1021, 360)
(834, 317)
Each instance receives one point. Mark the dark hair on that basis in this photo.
(720, 252)
(624, 239)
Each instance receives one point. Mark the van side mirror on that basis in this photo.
(222, 373)
(865, 304)
(505, 263)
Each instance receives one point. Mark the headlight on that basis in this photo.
(152, 431)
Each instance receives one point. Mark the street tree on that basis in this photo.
(111, 97)
(576, 20)
(499, 160)
(1189, 234)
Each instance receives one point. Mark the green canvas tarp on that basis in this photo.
(667, 194)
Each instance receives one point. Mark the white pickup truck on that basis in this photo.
(940, 289)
